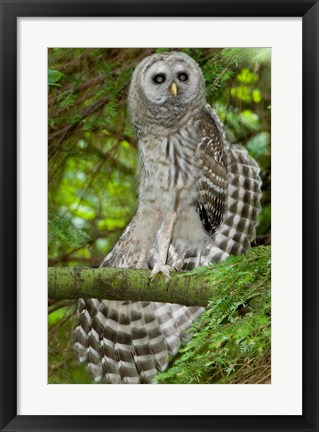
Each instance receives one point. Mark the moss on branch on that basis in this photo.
(128, 284)
(192, 289)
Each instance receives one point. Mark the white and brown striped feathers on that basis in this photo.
(199, 200)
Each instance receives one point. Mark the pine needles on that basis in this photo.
(231, 340)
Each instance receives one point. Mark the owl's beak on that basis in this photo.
(173, 88)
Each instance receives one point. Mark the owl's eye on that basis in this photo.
(182, 76)
(159, 78)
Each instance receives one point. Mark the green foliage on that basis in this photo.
(63, 235)
(231, 339)
(63, 366)
(53, 77)
(93, 151)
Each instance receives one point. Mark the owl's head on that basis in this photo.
(165, 88)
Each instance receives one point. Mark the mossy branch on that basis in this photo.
(127, 284)
(190, 289)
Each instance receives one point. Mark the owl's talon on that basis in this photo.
(164, 269)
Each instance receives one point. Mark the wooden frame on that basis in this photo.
(10, 11)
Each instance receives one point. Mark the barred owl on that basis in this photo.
(199, 199)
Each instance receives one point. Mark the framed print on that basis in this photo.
(87, 53)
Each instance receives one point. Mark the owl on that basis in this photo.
(198, 202)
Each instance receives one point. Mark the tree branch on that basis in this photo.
(64, 132)
(197, 288)
(128, 284)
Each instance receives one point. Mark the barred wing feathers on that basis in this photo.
(242, 206)
(229, 197)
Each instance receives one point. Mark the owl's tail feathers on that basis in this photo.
(237, 231)
(129, 342)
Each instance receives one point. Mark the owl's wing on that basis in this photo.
(230, 192)
(229, 197)
(213, 183)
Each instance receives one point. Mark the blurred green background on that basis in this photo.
(92, 153)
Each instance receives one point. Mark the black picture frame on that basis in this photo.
(10, 11)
